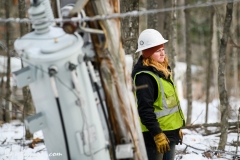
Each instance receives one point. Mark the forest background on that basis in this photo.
(206, 39)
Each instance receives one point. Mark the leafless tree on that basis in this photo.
(209, 61)
(129, 28)
(224, 103)
(152, 20)
(8, 27)
(236, 34)
(189, 63)
(173, 37)
(28, 105)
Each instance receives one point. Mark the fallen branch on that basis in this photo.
(230, 130)
(192, 147)
(212, 152)
(40, 150)
(4, 141)
(34, 142)
(209, 125)
(232, 43)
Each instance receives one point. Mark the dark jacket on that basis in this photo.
(145, 99)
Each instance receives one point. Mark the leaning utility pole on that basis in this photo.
(117, 83)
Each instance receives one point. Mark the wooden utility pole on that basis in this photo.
(224, 104)
(111, 61)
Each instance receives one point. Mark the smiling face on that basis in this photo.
(159, 55)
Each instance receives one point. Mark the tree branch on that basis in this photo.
(232, 43)
(217, 124)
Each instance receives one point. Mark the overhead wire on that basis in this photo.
(117, 15)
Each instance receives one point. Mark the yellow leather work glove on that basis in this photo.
(181, 136)
(162, 143)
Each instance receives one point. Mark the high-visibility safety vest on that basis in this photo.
(167, 106)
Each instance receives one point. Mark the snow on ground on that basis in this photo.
(12, 148)
(204, 143)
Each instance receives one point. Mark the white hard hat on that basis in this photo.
(149, 38)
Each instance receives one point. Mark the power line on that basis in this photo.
(117, 15)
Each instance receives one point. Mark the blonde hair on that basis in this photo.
(163, 67)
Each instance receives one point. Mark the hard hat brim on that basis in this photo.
(143, 48)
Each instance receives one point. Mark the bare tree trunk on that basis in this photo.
(28, 105)
(2, 116)
(228, 76)
(170, 33)
(209, 61)
(152, 21)
(22, 14)
(8, 45)
(142, 20)
(160, 4)
(1, 99)
(182, 36)
(1, 76)
(236, 30)
(119, 98)
(221, 77)
(173, 38)
(235, 72)
(189, 63)
(166, 21)
(129, 29)
(215, 61)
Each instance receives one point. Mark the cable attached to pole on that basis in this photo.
(52, 72)
(72, 67)
(94, 79)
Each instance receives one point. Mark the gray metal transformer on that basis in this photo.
(62, 93)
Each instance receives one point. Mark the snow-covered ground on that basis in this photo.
(194, 143)
(14, 147)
